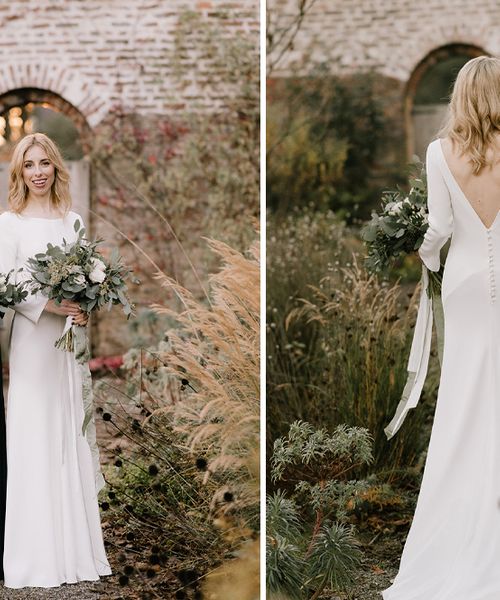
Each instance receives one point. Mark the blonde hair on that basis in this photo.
(474, 109)
(18, 191)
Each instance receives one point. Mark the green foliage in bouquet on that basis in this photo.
(11, 293)
(310, 545)
(400, 227)
(78, 272)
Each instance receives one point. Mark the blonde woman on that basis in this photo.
(452, 551)
(52, 524)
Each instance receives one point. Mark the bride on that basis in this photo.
(52, 524)
(452, 551)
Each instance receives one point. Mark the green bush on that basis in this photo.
(310, 545)
(323, 136)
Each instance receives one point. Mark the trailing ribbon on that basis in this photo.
(82, 357)
(419, 353)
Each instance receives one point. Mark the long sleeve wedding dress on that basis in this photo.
(52, 530)
(452, 551)
(3, 464)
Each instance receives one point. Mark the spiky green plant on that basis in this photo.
(308, 550)
(334, 557)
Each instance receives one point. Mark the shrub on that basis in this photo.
(309, 544)
(323, 136)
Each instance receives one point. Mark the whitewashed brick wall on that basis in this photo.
(390, 36)
(96, 53)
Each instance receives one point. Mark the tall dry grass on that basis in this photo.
(338, 339)
(185, 482)
(364, 326)
(213, 350)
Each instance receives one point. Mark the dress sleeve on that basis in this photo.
(440, 213)
(32, 307)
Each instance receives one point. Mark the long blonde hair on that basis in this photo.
(474, 110)
(18, 191)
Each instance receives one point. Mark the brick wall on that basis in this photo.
(396, 39)
(389, 36)
(96, 53)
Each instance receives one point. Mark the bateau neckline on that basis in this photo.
(39, 218)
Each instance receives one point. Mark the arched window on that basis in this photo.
(428, 91)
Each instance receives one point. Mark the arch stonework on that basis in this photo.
(436, 55)
(68, 90)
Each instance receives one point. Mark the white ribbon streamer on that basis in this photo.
(418, 361)
(80, 357)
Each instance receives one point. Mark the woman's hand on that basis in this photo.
(81, 319)
(68, 308)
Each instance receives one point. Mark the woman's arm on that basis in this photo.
(440, 213)
(33, 306)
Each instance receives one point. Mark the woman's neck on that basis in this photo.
(40, 206)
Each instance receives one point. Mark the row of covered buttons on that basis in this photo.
(490, 266)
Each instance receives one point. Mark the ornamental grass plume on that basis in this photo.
(213, 351)
(360, 352)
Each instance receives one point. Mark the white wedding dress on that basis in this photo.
(53, 531)
(452, 551)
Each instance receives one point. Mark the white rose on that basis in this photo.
(97, 264)
(98, 274)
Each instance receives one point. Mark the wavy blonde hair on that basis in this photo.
(18, 191)
(474, 110)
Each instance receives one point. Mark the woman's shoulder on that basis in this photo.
(435, 143)
(9, 226)
(8, 218)
(434, 150)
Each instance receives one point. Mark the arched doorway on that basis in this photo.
(25, 111)
(427, 93)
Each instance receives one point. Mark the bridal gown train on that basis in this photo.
(452, 551)
(52, 524)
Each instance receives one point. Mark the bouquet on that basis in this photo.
(11, 293)
(400, 228)
(78, 272)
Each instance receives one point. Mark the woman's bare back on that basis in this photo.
(482, 190)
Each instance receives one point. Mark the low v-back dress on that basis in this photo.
(52, 524)
(452, 551)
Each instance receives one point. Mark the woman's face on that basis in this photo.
(38, 171)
